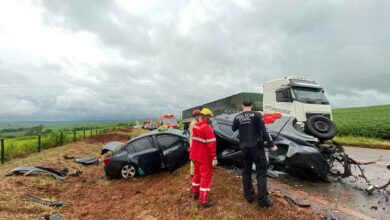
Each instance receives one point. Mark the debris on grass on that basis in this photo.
(53, 217)
(27, 170)
(87, 161)
(44, 202)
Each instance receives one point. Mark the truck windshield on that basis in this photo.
(169, 121)
(310, 95)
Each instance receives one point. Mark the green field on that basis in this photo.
(370, 122)
(23, 146)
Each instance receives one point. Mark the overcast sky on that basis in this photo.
(78, 60)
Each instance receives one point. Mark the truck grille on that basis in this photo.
(308, 115)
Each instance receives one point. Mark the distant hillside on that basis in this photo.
(19, 129)
(371, 121)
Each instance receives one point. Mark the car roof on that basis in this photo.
(173, 131)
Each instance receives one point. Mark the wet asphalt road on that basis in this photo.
(349, 192)
(365, 154)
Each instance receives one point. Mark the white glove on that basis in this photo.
(215, 163)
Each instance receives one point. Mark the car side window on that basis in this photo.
(129, 148)
(226, 129)
(167, 141)
(142, 144)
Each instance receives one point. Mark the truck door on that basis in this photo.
(284, 102)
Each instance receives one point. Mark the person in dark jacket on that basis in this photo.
(253, 133)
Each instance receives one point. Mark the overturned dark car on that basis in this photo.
(146, 154)
(298, 153)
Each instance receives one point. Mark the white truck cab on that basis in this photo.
(295, 97)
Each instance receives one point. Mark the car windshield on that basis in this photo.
(169, 121)
(310, 95)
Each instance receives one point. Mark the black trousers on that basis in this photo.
(249, 156)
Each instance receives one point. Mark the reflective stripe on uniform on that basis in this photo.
(196, 184)
(204, 140)
(204, 189)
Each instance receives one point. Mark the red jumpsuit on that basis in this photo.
(203, 152)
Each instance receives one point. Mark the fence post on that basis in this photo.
(74, 135)
(84, 133)
(2, 150)
(61, 138)
(39, 142)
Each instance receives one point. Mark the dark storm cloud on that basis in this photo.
(177, 54)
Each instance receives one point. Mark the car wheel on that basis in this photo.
(321, 127)
(127, 171)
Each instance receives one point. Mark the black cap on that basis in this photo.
(247, 103)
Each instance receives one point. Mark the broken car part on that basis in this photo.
(111, 146)
(382, 189)
(87, 161)
(44, 202)
(76, 173)
(54, 217)
(27, 170)
(66, 157)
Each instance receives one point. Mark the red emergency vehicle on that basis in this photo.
(168, 120)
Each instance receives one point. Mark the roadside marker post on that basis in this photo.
(2, 150)
(74, 135)
(84, 133)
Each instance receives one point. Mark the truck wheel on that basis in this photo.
(321, 127)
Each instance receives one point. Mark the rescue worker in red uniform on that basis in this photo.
(196, 115)
(203, 154)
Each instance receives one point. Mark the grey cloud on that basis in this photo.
(344, 45)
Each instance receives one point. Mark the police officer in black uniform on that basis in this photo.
(253, 133)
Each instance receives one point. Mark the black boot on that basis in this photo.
(208, 203)
(264, 203)
(195, 196)
(250, 198)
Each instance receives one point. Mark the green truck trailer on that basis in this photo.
(228, 105)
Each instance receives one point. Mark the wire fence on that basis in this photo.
(20, 147)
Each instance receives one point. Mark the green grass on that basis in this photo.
(363, 142)
(26, 145)
(369, 122)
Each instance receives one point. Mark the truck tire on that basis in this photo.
(321, 127)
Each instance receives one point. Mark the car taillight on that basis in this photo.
(107, 160)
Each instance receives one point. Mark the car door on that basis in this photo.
(147, 155)
(174, 150)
